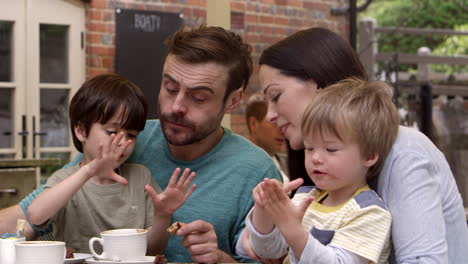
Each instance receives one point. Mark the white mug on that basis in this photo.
(40, 252)
(7, 249)
(121, 245)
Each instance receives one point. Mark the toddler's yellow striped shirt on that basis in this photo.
(361, 225)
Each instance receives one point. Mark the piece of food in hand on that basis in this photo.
(160, 259)
(69, 253)
(174, 227)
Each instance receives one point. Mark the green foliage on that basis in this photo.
(454, 45)
(417, 14)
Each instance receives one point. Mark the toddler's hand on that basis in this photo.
(175, 194)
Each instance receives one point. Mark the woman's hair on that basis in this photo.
(316, 54)
(355, 111)
(214, 44)
(100, 98)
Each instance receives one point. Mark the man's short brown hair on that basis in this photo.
(214, 44)
(356, 110)
(100, 98)
(257, 107)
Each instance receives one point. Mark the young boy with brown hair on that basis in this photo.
(348, 131)
(102, 192)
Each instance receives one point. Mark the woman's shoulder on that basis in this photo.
(410, 140)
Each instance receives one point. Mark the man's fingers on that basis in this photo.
(197, 226)
(293, 185)
(209, 257)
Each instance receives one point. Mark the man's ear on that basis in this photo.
(370, 161)
(80, 133)
(233, 100)
(252, 123)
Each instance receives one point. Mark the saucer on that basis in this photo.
(78, 258)
(146, 260)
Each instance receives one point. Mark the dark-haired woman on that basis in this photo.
(416, 183)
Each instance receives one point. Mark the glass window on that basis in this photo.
(54, 118)
(6, 29)
(47, 171)
(6, 118)
(53, 53)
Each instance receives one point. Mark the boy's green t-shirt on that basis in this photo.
(95, 208)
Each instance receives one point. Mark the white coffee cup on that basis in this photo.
(7, 249)
(121, 244)
(40, 252)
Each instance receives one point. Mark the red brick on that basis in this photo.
(251, 38)
(280, 31)
(251, 7)
(102, 51)
(93, 38)
(98, 4)
(237, 20)
(235, 118)
(295, 3)
(267, 19)
(108, 62)
(97, 27)
(295, 22)
(281, 2)
(268, 39)
(196, 3)
(108, 16)
(136, 6)
(251, 18)
(238, 6)
(281, 21)
(91, 72)
(175, 9)
(154, 8)
(316, 6)
(94, 61)
(94, 15)
(199, 12)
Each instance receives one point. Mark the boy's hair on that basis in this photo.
(358, 111)
(214, 44)
(257, 106)
(100, 98)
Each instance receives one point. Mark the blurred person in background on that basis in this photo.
(263, 133)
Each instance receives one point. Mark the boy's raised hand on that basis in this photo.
(175, 194)
(108, 159)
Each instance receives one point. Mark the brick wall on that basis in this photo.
(259, 22)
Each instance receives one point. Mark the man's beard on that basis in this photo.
(196, 133)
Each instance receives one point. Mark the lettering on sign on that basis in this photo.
(147, 23)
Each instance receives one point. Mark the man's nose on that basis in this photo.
(179, 105)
